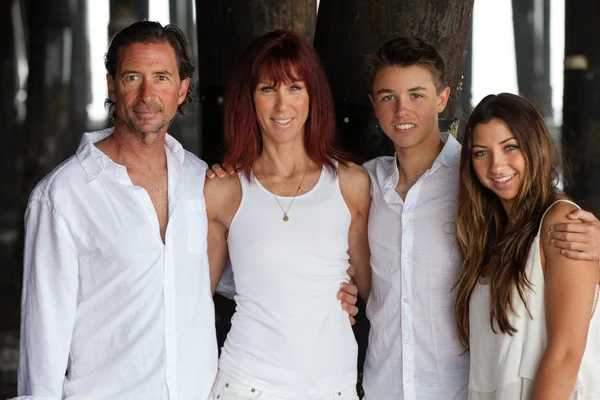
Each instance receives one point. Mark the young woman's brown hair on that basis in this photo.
(490, 240)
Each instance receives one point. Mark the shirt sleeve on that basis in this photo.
(48, 304)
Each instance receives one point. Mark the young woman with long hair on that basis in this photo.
(290, 221)
(525, 312)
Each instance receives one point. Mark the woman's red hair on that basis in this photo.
(282, 56)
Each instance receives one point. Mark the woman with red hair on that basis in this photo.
(291, 220)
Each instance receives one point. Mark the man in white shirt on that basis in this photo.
(413, 350)
(116, 288)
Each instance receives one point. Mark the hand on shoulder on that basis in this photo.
(579, 237)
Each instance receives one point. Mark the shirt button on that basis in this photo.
(405, 258)
(408, 381)
(405, 299)
(407, 341)
(405, 219)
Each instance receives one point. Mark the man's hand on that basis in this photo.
(216, 171)
(348, 294)
(580, 239)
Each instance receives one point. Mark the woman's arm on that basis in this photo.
(569, 296)
(356, 190)
(223, 198)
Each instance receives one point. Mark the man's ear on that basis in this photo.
(183, 88)
(110, 83)
(443, 99)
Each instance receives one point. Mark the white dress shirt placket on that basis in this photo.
(145, 202)
(169, 285)
(408, 351)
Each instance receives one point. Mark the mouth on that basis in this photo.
(504, 179)
(282, 122)
(145, 112)
(404, 127)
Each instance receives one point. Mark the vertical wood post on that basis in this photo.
(347, 30)
(581, 116)
(225, 29)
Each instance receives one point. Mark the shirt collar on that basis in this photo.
(94, 161)
(449, 156)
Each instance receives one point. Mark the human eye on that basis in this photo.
(131, 78)
(511, 147)
(416, 95)
(267, 89)
(389, 97)
(162, 77)
(479, 153)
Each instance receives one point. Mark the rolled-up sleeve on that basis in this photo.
(49, 302)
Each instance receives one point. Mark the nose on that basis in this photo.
(146, 90)
(280, 101)
(498, 163)
(400, 107)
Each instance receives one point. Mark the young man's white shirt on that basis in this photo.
(104, 300)
(413, 351)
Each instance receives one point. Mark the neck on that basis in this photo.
(414, 161)
(135, 149)
(283, 159)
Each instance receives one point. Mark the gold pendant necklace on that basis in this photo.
(286, 218)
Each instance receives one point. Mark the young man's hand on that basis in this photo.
(348, 294)
(580, 239)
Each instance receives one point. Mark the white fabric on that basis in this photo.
(289, 336)
(228, 388)
(126, 316)
(413, 350)
(503, 366)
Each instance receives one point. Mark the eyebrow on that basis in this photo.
(502, 142)
(414, 89)
(380, 91)
(131, 71)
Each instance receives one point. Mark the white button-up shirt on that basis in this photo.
(413, 350)
(104, 300)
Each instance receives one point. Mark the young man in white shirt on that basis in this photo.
(116, 288)
(413, 350)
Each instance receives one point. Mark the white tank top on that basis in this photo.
(289, 336)
(500, 360)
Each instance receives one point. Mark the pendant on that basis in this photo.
(285, 218)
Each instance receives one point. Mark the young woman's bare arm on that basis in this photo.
(569, 296)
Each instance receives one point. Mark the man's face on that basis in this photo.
(407, 105)
(146, 88)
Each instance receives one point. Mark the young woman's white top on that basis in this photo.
(289, 336)
(504, 367)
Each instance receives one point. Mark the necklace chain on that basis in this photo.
(285, 212)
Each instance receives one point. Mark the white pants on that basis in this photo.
(228, 388)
